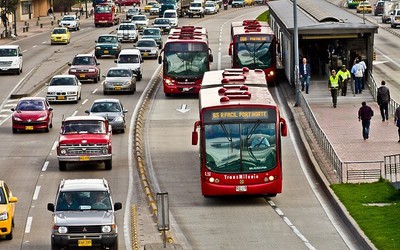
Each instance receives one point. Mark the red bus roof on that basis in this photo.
(187, 33)
(249, 23)
(243, 30)
(234, 87)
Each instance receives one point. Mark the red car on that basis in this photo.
(32, 113)
(85, 67)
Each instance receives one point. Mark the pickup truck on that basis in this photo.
(85, 139)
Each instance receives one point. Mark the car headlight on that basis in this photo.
(51, 93)
(63, 151)
(62, 230)
(107, 83)
(92, 70)
(71, 93)
(118, 119)
(16, 118)
(97, 47)
(4, 216)
(114, 47)
(106, 229)
(72, 70)
(128, 83)
(104, 150)
(42, 118)
(153, 51)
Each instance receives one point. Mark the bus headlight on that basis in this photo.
(211, 179)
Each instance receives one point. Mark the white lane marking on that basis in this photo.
(76, 112)
(45, 165)
(85, 101)
(34, 46)
(36, 193)
(44, 42)
(388, 58)
(24, 51)
(28, 225)
(54, 145)
(94, 91)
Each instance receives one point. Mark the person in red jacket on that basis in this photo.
(365, 114)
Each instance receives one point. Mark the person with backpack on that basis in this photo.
(383, 99)
(358, 73)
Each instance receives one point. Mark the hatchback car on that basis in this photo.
(364, 7)
(113, 110)
(119, 80)
(64, 88)
(148, 48)
(60, 36)
(7, 210)
(107, 45)
(32, 113)
(163, 24)
(172, 15)
(85, 67)
(211, 8)
(70, 21)
(154, 33)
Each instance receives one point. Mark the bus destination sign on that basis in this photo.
(255, 38)
(239, 115)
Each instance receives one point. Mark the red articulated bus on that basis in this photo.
(240, 134)
(185, 57)
(253, 45)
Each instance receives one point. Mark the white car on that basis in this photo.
(211, 8)
(70, 21)
(11, 59)
(141, 22)
(395, 18)
(172, 16)
(64, 88)
(132, 59)
(127, 32)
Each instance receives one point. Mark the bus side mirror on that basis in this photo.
(211, 58)
(159, 59)
(283, 127)
(278, 49)
(230, 49)
(195, 135)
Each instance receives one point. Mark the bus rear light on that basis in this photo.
(270, 178)
(271, 73)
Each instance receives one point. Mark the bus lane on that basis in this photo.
(294, 219)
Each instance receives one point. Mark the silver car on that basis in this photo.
(148, 48)
(113, 110)
(119, 80)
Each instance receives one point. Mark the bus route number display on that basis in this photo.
(255, 38)
(239, 115)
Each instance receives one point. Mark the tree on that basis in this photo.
(9, 7)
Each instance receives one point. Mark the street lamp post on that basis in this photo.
(296, 54)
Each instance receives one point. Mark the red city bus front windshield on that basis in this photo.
(186, 59)
(254, 52)
(102, 9)
(247, 147)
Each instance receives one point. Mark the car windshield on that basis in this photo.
(151, 32)
(161, 21)
(139, 18)
(170, 14)
(59, 31)
(128, 59)
(209, 5)
(102, 107)
(108, 39)
(127, 27)
(2, 197)
(62, 81)
(83, 60)
(68, 18)
(8, 52)
(83, 200)
(146, 44)
(119, 73)
(84, 127)
(31, 105)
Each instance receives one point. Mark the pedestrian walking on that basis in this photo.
(344, 77)
(364, 70)
(357, 71)
(365, 114)
(397, 120)
(383, 99)
(333, 85)
(305, 74)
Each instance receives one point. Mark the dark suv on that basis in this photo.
(378, 8)
(85, 67)
(84, 215)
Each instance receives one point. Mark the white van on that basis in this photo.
(132, 59)
(11, 59)
(172, 16)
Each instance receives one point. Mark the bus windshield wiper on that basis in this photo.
(222, 124)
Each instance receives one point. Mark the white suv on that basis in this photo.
(132, 59)
(395, 18)
(70, 21)
(172, 15)
(127, 32)
(84, 215)
(11, 59)
(196, 9)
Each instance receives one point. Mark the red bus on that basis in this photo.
(240, 134)
(185, 57)
(253, 45)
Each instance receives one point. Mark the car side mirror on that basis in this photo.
(69, 64)
(115, 60)
(117, 206)
(50, 109)
(87, 111)
(125, 111)
(50, 207)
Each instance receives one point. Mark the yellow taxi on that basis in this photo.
(249, 2)
(7, 210)
(60, 35)
(364, 7)
(149, 5)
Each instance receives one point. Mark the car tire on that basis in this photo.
(105, 92)
(62, 165)
(10, 235)
(96, 80)
(47, 129)
(14, 130)
(122, 131)
(115, 246)
(53, 247)
(108, 164)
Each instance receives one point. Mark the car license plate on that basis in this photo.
(84, 158)
(82, 75)
(28, 127)
(241, 188)
(84, 243)
(117, 88)
(145, 54)
(105, 51)
(61, 97)
(397, 18)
